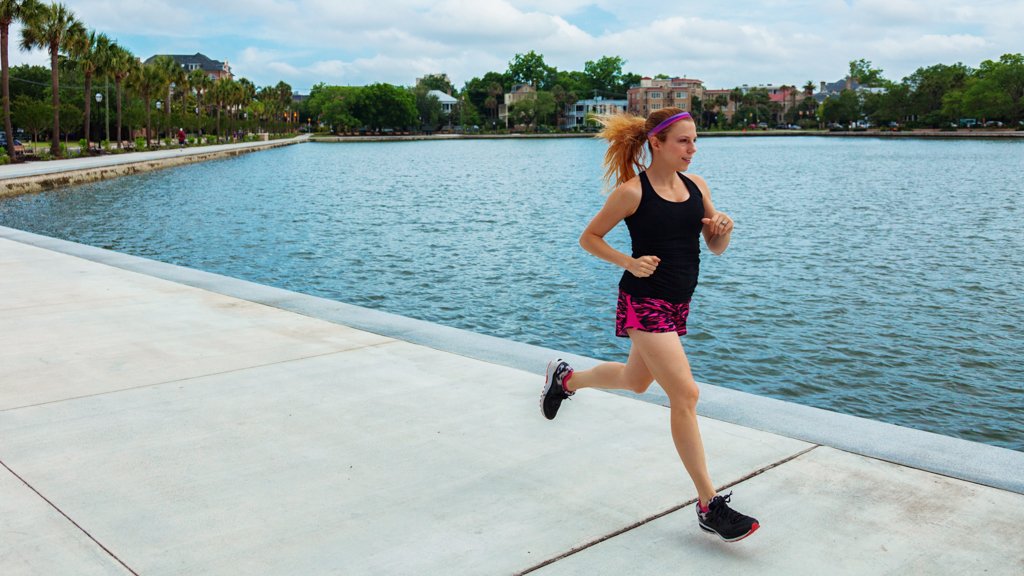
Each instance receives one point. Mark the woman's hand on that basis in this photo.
(643, 266)
(720, 223)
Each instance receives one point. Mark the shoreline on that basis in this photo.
(1008, 135)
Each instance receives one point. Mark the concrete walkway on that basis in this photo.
(151, 426)
(72, 164)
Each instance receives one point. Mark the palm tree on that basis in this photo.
(199, 82)
(220, 92)
(809, 87)
(147, 82)
(88, 55)
(494, 90)
(247, 92)
(175, 74)
(51, 28)
(120, 65)
(10, 11)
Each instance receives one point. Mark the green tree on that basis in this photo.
(865, 74)
(10, 11)
(176, 75)
(71, 120)
(149, 82)
(809, 87)
(436, 82)
(605, 75)
(528, 68)
(88, 53)
(119, 65)
(527, 112)
(51, 28)
(201, 83)
(384, 106)
(32, 115)
(429, 108)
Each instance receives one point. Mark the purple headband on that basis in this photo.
(668, 121)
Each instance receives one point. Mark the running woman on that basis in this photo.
(666, 212)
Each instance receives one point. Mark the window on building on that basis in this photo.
(656, 95)
(674, 84)
(680, 95)
(655, 106)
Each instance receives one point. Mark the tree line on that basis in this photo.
(933, 96)
(477, 103)
(80, 59)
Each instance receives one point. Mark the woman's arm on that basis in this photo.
(622, 202)
(717, 225)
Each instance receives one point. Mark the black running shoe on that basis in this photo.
(554, 391)
(729, 524)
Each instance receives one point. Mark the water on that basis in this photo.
(876, 278)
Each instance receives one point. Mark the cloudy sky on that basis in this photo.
(724, 43)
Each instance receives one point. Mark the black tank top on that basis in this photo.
(670, 231)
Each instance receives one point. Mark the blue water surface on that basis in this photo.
(872, 277)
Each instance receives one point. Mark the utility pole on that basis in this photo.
(106, 101)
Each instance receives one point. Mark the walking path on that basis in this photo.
(161, 420)
(28, 177)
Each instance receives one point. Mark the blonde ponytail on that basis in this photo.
(626, 135)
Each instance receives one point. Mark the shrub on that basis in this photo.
(44, 155)
(167, 141)
(105, 144)
(140, 143)
(64, 150)
(191, 140)
(4, 158)
(83, 146)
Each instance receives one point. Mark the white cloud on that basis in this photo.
(724, 43)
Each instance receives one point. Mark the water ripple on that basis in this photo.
(875, 278)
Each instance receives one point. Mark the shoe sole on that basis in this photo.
(736, 539)
(548, 381)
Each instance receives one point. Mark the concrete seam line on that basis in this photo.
(84, 531)
(391, 341)
(662, 513)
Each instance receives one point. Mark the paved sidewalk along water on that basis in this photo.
(151, 426)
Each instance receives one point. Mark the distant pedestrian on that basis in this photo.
(666, 213)
(181, 138)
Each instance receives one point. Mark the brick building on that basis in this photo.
(652, 94)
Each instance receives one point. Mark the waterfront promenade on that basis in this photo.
(28, 177)
(161, 420)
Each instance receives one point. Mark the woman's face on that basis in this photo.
(679, 146)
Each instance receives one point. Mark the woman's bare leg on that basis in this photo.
(659, 357)
(633, 375)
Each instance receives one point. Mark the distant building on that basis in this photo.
(519, 92)
(447, 100)
(576, 113)
(834, 88)
(296, 97)
(215, 69)
(729, 109)
(651, 95)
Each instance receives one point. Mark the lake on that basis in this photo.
(883, 279)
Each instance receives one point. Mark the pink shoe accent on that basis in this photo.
(566, 379)
(702, 507)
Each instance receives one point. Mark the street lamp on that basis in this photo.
(99, 97)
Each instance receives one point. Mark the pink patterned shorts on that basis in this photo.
(649, 315)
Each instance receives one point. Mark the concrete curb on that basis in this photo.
(121, 165)
(971, 461)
